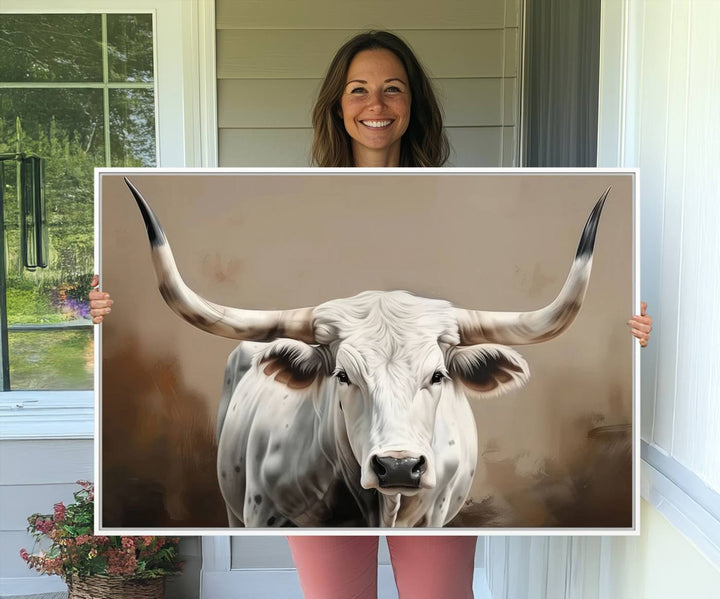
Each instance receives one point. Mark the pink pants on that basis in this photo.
(346, 567)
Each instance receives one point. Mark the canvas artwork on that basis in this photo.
(408, 350)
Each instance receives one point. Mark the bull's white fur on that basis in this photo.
(291, 447)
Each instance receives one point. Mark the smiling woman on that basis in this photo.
(377, 107)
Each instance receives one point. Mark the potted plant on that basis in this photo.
(95, 567)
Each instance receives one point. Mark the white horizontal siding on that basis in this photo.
(470, 146)
(45, 462)
(19, 501)
(349, 14)
(264, 147)
(288, 103)
(252, 54)
(34, 475)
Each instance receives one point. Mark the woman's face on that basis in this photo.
(375, 107)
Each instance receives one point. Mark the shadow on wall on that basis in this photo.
(593, 490)
(159, 449)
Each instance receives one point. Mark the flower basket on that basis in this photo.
(98, 567)
(116, 587)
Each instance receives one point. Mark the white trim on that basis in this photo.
(683, 511)
(201, 82)
(186, 125)
(612, 82)
(521, 76)
(216, 553)
(46, 415)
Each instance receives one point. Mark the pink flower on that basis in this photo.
(44, 526)
(128, 543)
(59, 512)
(24, 555)
(121, 562)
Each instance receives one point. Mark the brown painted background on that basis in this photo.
(556, 453)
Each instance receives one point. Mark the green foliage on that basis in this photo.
(51, 359)
(26, 305)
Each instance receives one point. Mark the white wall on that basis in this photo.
(34, 475)
(660, 85)
(659, 564)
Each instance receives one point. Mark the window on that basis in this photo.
(185, 122)
(78, 91)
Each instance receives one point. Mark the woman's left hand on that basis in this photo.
(641, 325)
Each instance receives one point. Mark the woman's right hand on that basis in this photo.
(100, 302)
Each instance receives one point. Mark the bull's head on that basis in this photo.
(394, 356)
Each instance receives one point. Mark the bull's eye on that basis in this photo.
(437, 377)
(342, 377)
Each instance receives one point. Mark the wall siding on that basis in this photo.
(34, 475)
(271, 60)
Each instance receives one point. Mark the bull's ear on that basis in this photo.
(291, 363)
(487, 370)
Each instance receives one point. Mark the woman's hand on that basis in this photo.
(100, 302)
(641, 325)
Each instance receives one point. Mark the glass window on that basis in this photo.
(78, 91)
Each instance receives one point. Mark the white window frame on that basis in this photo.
(674, 490)
(186, 129)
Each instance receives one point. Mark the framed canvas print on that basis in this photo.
(334, 351)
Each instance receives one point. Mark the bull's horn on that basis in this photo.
(250, 325)
(521, 328)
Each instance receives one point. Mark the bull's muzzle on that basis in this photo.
(399, 472)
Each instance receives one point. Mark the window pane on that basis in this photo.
(50, 48)
(52, 119)
(65, 127)
(130, 47)
(53, 360)
(132, 127)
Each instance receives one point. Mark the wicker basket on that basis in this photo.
(116, 587)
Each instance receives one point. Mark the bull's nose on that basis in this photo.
(398, 472)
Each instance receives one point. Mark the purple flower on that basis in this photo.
(79, 308)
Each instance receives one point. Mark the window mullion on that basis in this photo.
(4, 346)
(106, 89)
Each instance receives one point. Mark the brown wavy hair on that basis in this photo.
(423, 144)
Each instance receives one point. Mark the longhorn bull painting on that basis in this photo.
(362, 411)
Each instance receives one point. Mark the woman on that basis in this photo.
(377, 108)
